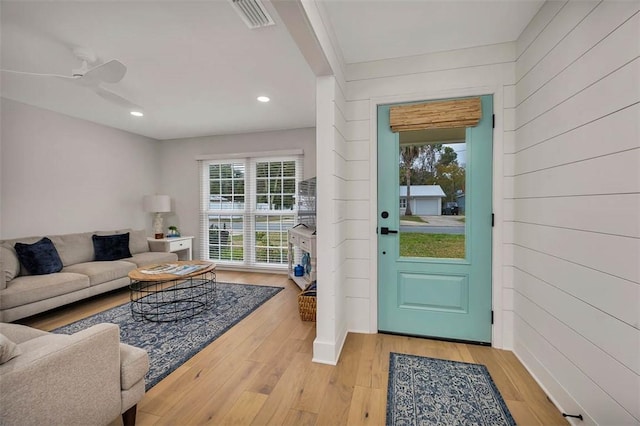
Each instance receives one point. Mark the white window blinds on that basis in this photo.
(247, 206)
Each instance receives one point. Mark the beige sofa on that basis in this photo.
(23, 295)
(87, 378)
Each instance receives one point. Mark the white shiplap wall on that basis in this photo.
(360, 288)
(476, 71)
(332, 245)
(333, 193)
(574, 173)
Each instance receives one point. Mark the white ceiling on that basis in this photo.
(369, 30)
(196, 69)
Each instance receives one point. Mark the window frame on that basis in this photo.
(250, 211)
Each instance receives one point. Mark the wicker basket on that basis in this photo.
(307, 304)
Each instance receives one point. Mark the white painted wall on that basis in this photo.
(180, 174)
(61, 174)
(574, 207)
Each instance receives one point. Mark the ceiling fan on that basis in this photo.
(93, 77)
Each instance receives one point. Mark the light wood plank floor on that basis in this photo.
(260, 372)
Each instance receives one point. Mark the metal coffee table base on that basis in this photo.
(172, 300)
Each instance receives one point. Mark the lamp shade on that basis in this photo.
(157, 203)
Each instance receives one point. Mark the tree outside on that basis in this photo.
(408, 156)
(431, 164)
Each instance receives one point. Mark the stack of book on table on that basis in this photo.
(173, 269)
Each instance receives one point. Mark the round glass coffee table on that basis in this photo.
(172, 291)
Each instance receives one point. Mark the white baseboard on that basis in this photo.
(558, 396)
(329, 352)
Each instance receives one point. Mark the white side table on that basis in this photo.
(305, 239)
(182, 246)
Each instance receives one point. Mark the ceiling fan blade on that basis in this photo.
(109, 72)
(116, 99)
(65, 77)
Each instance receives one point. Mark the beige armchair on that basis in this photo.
(87, 378)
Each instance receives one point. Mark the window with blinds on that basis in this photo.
(248, 205)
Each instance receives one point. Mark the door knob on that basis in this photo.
(385, 231)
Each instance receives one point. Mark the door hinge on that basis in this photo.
(491, 317)
(493, 123)
(493, 220)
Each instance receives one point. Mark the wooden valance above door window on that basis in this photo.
(436, 115)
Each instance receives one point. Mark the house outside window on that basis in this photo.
(248, 205)
(403, 203)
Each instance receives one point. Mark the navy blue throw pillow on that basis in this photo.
(111, 247)
(39, 258)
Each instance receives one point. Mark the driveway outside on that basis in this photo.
(435, 225)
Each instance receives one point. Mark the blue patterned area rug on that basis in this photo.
(170, 344)
(428, 391)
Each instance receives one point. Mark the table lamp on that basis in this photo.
(157, 204)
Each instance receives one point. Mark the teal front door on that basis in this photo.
(434, 230)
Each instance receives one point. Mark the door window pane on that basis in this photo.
(431, 196)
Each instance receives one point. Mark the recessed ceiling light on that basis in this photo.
(263, 99)
(136, 113)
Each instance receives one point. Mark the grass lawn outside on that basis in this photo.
(431, 245)
(270, 247)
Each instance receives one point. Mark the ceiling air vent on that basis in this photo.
(252, 13)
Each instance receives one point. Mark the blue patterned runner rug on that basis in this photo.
(170, 344)
(428, 391)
